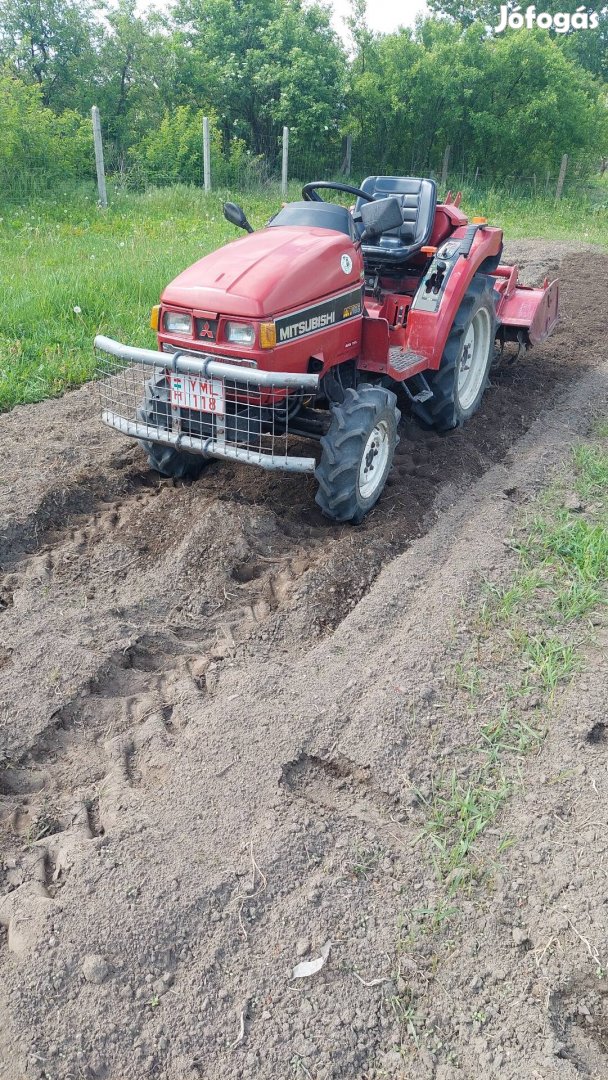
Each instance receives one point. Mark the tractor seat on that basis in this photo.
(418, 199)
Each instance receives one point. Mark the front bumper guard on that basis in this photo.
(135, 400)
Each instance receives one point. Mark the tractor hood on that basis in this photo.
(268, 272)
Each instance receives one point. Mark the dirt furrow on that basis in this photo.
(172, 695)
(147, 590)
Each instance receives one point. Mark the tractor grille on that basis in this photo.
(202, 404)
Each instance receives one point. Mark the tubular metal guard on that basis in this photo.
(202, 404)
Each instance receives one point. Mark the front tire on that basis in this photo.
(462, 377)
(166, 460)
(357, 453)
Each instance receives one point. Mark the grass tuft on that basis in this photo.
(527, 624)
(550, 659)
(508, 733)
(458, 811)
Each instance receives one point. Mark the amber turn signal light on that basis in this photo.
(428, 249)
(479, 221)
(155, 317)
(268, 335)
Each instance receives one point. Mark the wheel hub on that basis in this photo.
(373, 460)
(473, 359)
(371, 454)
(467, 353)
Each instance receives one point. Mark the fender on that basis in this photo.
(428, 330)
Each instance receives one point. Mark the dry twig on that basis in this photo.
(241, 1034)
(591, 949)
(255, 872)
(370, 982)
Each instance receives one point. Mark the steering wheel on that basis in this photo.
(309, 191)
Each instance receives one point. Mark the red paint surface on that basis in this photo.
(282, 270)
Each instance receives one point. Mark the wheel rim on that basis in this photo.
(374, 460)
(473, 359)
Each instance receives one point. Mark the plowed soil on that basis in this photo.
(212, 701)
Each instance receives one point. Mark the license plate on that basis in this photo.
(193, 392)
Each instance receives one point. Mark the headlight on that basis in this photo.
(177, 322)
(240, 333)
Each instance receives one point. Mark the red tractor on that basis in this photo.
(305, 329)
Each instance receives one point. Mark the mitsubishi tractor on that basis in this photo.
(286, 349)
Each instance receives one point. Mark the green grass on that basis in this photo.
(508, 599)
(71, 270)
(507, 733)
(531, 634)
(552, 661)
(467, 676)
(564, 562)
(457, 813)
(569, 546)
(367, 859)
(581, 215)
(591, 464)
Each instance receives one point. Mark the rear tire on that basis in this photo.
(166, 460)
(461, 379)
(357, 453)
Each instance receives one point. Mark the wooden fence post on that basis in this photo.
(285, 161)
(101, 176)
(561, 177)
(206, 155)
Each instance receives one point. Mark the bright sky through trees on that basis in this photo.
(384, 16)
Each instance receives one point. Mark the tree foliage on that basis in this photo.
(37, 145)
(263, 64)
(172, 151)
(509, 103)
(588, 47)
(53, 44)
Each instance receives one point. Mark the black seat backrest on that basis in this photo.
(418, 198)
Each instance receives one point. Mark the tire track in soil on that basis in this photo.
(282, 575)
(97, 749)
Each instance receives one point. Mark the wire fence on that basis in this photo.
(271, 167)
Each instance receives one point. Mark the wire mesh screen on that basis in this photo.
(198, 413)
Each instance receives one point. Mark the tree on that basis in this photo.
(510, 104)
(262, 63)
(482, 11)
(588, 46)
(52, 44)
(135, 84)
(539, 104)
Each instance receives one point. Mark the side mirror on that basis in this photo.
(236, 216)
(380, 216)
